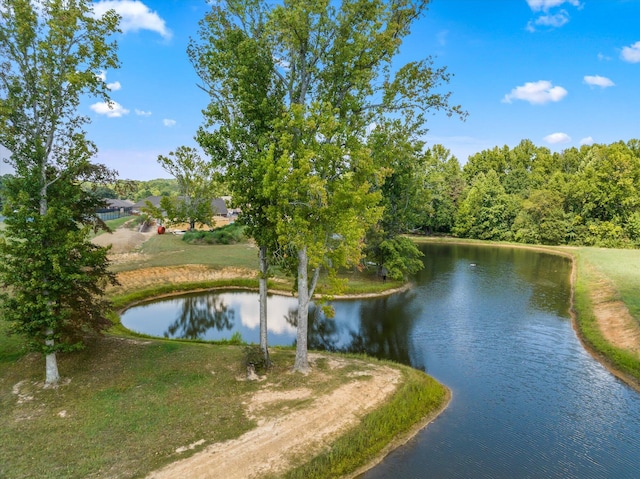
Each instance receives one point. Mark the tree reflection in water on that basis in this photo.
(322, 334)
(385, 328)
(198, 315)
(383, 331)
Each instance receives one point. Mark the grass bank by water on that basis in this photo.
(127, 406)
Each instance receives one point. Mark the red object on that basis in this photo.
(161, 230)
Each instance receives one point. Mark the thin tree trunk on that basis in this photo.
(52, 375)
(264, 346)
(302, 363)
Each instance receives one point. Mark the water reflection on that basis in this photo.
(212, 316)
(198, 314)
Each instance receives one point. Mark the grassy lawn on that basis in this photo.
(621, 270)
(170, 250)
(129, 405)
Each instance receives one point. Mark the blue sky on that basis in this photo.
(558, 72)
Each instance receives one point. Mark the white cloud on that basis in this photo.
(536, 93)
(115, 86)
(111, 86)
(555, 138)
(112, 109)
(545, 5)
(554, 21)
(603, 57)
(142, 112)
(135, 16)
(586, 141)
(597, 80)
(631, 53)
(168, 122)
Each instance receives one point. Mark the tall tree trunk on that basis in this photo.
(264, 346)
(51, 363)
(301, 363)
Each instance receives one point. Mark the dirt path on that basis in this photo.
(614, 320)
(277, 440)
(123, 240)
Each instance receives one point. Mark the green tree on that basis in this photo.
(197, 185)
(52, 52)
(542, 219)
(336, 64)
(487, 212)
(397, 154)
(235, 62)
(302, 81)
(444, 181)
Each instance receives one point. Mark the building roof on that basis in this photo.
(113, 203)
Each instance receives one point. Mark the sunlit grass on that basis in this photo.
(622, 266)
(170, 250)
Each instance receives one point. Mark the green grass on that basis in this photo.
(620, 269)
(117, 223)
(131, 404)
(126, 410)
(170, 250)
(229, 234)
(114, 224)
(622, 266)
(11, 347)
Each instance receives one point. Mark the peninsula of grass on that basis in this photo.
(620, 271)
(127, 404)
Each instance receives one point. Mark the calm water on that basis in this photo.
(490, 323)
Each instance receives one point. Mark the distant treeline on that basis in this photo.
(580, 196)
(586, 196)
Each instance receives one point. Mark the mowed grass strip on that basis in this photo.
(620, 269)
(170, 250)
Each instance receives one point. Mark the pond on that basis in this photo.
(490, 323)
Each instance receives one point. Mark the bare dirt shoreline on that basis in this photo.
(271, 446)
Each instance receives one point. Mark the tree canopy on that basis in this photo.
(197, 187)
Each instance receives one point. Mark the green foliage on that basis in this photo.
(586, 196)
(401, 257)
(254, 357)
(293, 139)
(487, 211)
(52, 277)
(229, 234)
(157, 187)
(418, 398)
(197, 185)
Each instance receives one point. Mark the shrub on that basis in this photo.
(229, 234)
